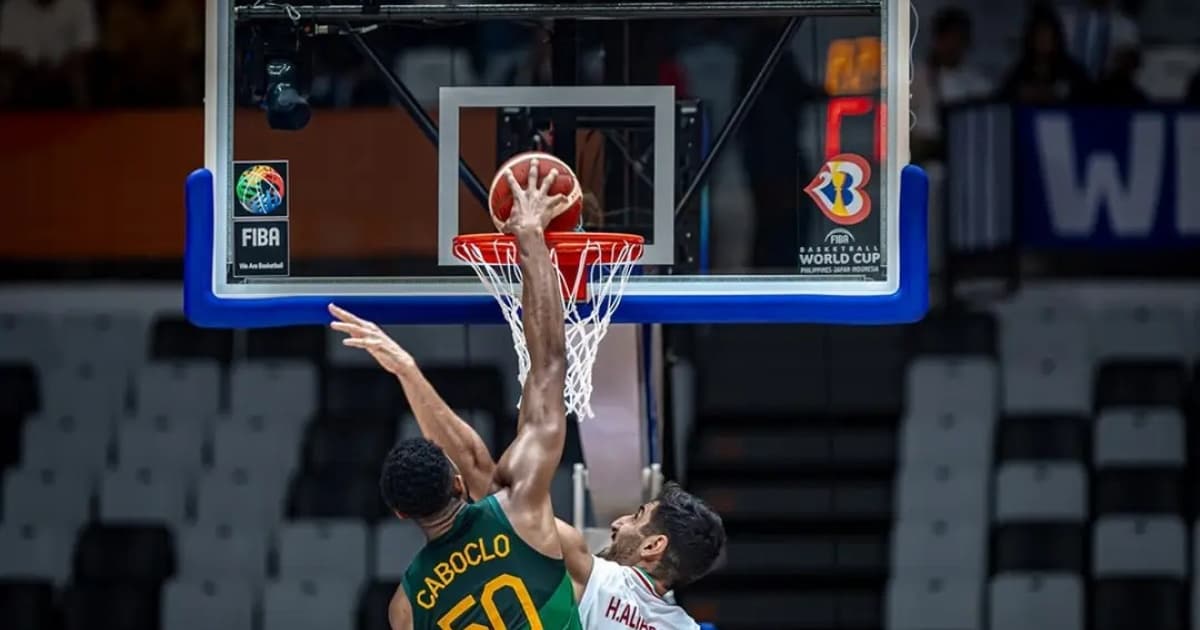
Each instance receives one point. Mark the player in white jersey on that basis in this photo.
(669, 542)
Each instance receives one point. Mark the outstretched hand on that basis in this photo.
(533, 206)
(368, 336)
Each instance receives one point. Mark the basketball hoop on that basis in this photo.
(593, 270)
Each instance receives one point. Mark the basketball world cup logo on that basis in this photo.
(260, 189)
(839, 189)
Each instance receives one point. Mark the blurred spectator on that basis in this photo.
(944, 78)
(1097, 33)
(770, 149)
(1119, 85)
(44, 49)
(156, 49)
(1045, 74)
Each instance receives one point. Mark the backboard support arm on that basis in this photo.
(415, 111)
(740, 112)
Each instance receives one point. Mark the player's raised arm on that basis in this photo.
(437, 420)
(528, 466)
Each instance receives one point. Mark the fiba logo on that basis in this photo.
(839, 236)
(260, 189)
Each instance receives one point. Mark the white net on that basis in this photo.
(586, 320)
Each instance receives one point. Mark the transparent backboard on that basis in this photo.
(759, 156)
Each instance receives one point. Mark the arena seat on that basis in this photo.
(1040, 491)
(115, 339)
(323, 549)
(955, 492)
(268, 447)
(162, 441)
(47, 496)
(67, 441)
(396, 544)
(309, 604)
(225, 604)
(1047, 383)
(946, 602)
(30, 551)
(28, 605)
(1140, 566)
(947, 439)
(93, 387)
(223, 551)
(239, 497)
(1140, 546)
(27, 337)
(190, 387)
(1130, 330)
(936, 546)
(1021, 601)
(284, 390)
(1042, 532)
(1035, 327)
(142, 495)
(959, 385)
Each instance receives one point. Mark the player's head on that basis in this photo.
(418, 479)
(676, 537)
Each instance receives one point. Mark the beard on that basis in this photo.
(623, 552)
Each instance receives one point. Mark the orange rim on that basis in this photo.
(569, 247)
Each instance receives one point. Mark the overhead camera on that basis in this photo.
(287, 108)
(282, 86)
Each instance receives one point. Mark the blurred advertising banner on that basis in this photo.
(1108, 177)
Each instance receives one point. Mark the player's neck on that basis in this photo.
(438, 524)
(656, 585)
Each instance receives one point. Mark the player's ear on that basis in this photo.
(653, 547)
(459, 487)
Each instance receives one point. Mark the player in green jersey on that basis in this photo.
(496, 564)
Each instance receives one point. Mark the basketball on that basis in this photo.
(500, 198)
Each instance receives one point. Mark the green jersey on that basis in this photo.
(480, 575)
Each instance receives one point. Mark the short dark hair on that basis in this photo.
(695, 535)
(951, 19)
(417, 478)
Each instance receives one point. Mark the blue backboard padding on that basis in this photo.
(908, 304)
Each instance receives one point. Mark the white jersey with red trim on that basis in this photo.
(622, 598)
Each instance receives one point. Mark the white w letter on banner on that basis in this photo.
(1074, 205)
(1187, 175)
